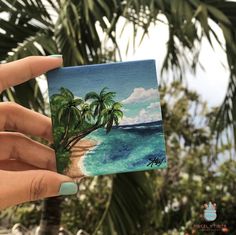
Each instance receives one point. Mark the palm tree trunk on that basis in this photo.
(81, 135)
(66, 130)
(51, 216)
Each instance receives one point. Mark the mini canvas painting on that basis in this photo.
(106, 118)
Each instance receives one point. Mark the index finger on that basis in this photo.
(20, 71)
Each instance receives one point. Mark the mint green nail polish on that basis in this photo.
(56, 56)
(68, 188)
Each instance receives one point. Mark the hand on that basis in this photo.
(27, 168)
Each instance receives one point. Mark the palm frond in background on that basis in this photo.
(122, 207)
(72, 28)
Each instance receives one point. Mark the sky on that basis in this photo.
(211, 83)
(135, 84)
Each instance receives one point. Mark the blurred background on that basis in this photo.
(194, 44)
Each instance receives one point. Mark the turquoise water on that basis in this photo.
(126, 148)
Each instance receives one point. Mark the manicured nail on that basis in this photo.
(68, 188)
(56, 56)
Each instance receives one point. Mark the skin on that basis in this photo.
(27, 168)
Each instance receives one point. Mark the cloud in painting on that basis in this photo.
(144, 116)
(154, 105)
(140, 94)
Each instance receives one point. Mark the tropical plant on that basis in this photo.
(65, 107)
(100, 101)
(86, 112)
(112, 115)
(99, 104)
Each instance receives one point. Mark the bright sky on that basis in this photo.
(211, 83)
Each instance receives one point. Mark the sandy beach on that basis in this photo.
(78, 151)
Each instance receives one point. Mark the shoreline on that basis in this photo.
(78, 152)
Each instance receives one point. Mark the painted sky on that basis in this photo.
(135, 85)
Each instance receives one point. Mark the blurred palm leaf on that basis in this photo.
(127, 206)
(25, 33)
(226, 118)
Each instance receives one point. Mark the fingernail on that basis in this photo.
(68, 188)
(56, 56)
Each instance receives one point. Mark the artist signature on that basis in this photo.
(154, 161)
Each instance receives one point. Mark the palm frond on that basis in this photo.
(91, 95)
(67, 93)
(130, 197)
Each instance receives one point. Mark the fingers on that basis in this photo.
(21, 148)
(19, 187)
(15, 165)
(17, 118)
(20, 71)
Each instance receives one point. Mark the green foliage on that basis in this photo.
(27, 214)
(63, 159)
(112, 115)
(74, 118)
(110, 212)
(192, 178)
(72, 28)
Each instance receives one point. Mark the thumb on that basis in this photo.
(23, 186)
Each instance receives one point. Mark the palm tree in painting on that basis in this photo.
(76, 118)
(100, 101)
(112, 115)
(86, 112)
(64, 106)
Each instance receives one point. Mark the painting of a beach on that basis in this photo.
(106, 118)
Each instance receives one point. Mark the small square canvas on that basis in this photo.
(106, 118)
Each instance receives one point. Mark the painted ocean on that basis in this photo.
(125, 148)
